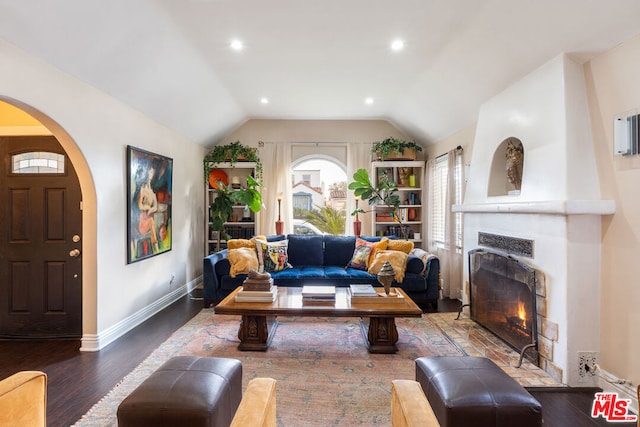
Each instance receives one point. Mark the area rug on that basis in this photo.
(325, 375)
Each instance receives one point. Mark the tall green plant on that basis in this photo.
(382, 194)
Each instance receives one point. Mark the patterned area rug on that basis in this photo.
(326, 376)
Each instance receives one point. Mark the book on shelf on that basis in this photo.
(319, 292)
(364, 290)
(257, 296)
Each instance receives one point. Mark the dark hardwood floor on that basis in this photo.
(77, 380)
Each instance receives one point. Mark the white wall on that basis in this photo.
(95, 129)
(613, 87)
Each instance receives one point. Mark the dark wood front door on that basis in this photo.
(40, 241)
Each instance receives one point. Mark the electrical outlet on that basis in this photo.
(587, 361)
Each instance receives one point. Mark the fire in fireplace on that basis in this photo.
(502, 297)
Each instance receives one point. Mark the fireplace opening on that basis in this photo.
(503, 299)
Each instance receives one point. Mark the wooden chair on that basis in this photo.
(258, 405)
(409, 406)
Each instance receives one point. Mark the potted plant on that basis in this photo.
(221, 208)
(395, 149)
(232, 153)
(384, 193)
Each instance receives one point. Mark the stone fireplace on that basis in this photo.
(557, 207)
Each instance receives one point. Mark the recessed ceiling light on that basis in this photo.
(368, 101)
(397, 45)
(264, 100)
(237, 44)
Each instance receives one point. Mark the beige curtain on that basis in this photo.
(358, 157)
(448, 227)
(276, 161)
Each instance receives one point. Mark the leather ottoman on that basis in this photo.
(474, 391)
(186, 391)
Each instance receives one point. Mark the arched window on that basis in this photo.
(318, 186)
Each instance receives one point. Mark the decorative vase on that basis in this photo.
(357, 227)
(386, 276)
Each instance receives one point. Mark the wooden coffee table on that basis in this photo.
(259, 319)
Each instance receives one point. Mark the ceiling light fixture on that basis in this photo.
(264, 100)
(237, 45)
(368, 101)
(397, 45)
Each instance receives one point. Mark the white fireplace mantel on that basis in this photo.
(552, 207)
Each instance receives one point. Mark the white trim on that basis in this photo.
(93, 342)
(552, 207)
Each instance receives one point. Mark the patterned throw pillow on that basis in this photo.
(272, 256)
(360, 258)
(375, 246)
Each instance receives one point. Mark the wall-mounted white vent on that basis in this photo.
(625, 134)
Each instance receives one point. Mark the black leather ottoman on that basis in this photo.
(186, 391)
(474, 391)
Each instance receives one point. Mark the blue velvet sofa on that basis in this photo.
(321, 260)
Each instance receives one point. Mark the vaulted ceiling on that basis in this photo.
(311, 59)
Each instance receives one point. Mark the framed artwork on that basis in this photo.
(149, 184)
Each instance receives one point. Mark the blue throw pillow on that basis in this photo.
(305, 250)
(338, 250)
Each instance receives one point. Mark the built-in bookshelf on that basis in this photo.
(243, 222)
(409, 177)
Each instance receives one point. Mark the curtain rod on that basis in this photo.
(458, 148)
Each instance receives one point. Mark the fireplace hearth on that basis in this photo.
(502, 298)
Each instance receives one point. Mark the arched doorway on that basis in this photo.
(63, 275)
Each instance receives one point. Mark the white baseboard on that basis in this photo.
(95, 342)
(610, 383)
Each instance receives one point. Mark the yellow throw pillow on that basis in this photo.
(400, 245)
(242, 260)
(397, 259)
(241, 243)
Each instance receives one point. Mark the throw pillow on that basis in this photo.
(243, 243)
(375, 246)
(397, 259)
(242, 260)
(272, 256)
(425, 257)
(400, 245)
(360, 258)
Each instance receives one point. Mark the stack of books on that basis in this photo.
(318, 293)
(269, 295)
(368, 294)
(362, 291)
(383, 217)
(257, 287)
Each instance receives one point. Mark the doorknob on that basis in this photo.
(74, 252)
